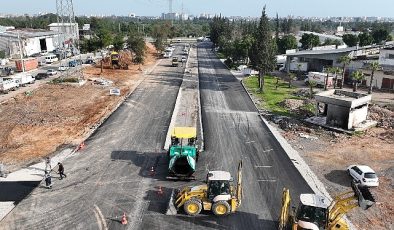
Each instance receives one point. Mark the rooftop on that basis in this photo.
(219, 175)
(61, 24)
(28, 33)
(314, 200)
(343, 98)
(320, 52)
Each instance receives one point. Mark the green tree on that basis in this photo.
(345, 61)
(380, 35)
(105, 38)
(287, 25)
(308, 41)
(287, 42)
(263, 50)
(118, 42)
(336, 71)
(350, 39)
(357, 77)
(312, 84)
(365, 39)
(374, 66)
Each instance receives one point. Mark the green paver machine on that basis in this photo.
(183, 153)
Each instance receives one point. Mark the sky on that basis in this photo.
(318, 8)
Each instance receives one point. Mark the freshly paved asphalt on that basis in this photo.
(111, 176)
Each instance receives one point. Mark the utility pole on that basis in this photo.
(66, 19)
(21, 52)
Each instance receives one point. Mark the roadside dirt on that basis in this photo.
(57, 115)
(329, 154)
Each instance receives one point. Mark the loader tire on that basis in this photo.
(192, 207)
(221, 208)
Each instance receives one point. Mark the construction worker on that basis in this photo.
(61, 170)
(48, 164)
(48, 179)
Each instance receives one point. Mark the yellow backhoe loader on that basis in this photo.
(218, 195)
(316, 213)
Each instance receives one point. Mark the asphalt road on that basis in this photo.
(112, 175)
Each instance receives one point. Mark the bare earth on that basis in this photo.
(57, 115)
(331, 154)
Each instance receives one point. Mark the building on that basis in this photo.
(70, 31)
(341, 109)
(30, 41)
(322, 37)
(383, 78)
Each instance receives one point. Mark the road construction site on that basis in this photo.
(122, 168)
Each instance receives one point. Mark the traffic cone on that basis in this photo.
(124, 219)
(81, 146)
(160, 191)
(152, 171)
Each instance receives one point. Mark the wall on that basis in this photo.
(357, 116)
(338, 116)
(378, 78)
(386, 57)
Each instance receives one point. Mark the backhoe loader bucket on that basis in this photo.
(171, 208)
(364, 196)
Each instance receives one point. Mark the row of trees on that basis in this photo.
(363, 39)
(247, 42)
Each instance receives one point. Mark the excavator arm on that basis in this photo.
(343, 203)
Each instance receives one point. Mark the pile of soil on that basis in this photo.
(384, 116)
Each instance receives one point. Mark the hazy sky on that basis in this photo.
(320, 8)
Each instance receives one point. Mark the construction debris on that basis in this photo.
(124, 60)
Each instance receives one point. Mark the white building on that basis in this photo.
(384, 78)
(31, 41)
(70, 31)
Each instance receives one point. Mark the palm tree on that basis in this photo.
(344, 60)
(311, 84)
(327, 70)
(374, 66)
(336, 71)
(357, 77)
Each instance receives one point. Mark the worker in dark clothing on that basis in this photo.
(48, 179)
(61, 171)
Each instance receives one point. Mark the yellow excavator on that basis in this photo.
(315, 212)
(218, 195)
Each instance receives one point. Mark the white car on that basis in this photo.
(364, 175)
(63, 68)
(51, 72)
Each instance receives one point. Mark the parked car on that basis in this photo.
(364, 175)
(41, 76)
(63, 68)
(51, 72)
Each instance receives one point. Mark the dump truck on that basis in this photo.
(218, 195)
(315, 212)
(183, 153)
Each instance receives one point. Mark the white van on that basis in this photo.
(49, 59)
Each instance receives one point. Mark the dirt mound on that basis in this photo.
(383, 116)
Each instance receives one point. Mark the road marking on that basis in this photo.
(267, 150)
(98, 220)
(266, 180)
(102, 219)
(249, 142)
(263, 166)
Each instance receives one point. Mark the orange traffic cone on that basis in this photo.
(124, 219)
(81, 146)
(160, 191)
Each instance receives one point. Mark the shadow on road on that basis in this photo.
(339, 177)
(16, 190)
